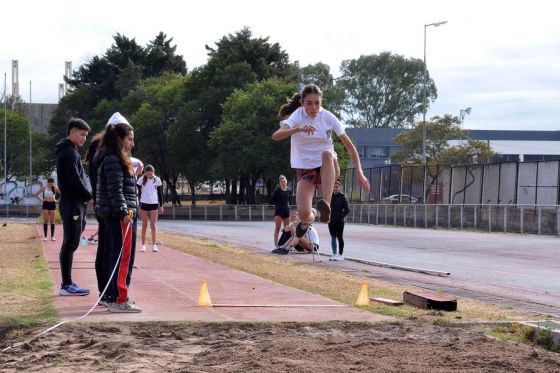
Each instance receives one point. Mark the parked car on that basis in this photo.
(400, 198)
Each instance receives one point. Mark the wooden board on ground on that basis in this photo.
(429, 300)
(390, 302)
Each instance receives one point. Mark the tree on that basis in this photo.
(266, 60)
(155, 126)
(439, 132)
(242, 141)
(111, 77)
(160, 57)
(318, 74)
(236, 61)
(17, 151)
(384, 90)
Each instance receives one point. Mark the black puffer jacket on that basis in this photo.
(116, 189)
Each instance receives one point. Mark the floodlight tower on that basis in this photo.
(67, 75)
(15, 82)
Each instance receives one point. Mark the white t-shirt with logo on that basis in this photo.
(307, 149)
(312, 236)
(149, 193)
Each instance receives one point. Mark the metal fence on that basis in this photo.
(509, 183)
(530, 219)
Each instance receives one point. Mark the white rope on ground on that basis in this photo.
(19, 344)
(277, 305)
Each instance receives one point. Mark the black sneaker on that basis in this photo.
(283, 251)
(301, 229)
(275, 251)
(324, 211)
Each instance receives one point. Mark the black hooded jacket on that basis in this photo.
(339, 207)
(70, 172)
(116, 188)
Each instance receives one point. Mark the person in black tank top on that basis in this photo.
(48, 194)
(281, 202)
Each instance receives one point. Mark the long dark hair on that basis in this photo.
(146, 169)
(112, 142)
(294, 102)
(51, 180)
(93, 146)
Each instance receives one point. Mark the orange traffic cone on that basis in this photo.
(363, 296)
(203, 296)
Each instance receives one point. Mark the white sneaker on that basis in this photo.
(339, 258)
(44, 239)
(333, 257)
(53, 239)
(143, 248)
(154, 248)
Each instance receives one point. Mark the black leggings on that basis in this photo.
(336, 229)
(73, 214)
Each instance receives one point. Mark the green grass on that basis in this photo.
(25, 285)
(520, 333)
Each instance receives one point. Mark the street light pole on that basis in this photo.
(424, 103)
(5, 146)
(463, 113)
(30, 141)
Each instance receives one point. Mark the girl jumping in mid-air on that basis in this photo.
(312, 153)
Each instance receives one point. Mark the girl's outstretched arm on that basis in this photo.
(286, 131)
(360, 177)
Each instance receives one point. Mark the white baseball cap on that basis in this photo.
(116, 119)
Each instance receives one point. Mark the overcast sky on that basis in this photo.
(501, 58)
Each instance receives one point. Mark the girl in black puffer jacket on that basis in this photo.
(116, 204)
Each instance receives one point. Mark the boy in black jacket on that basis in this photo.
(74, 198)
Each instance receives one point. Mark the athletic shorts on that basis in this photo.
(149, 206)
(283, 212)
(312, 176)
(49, 205)
(300, 248)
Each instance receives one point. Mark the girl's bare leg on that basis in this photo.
(144, 215)
(328, 173)
(277, 226)
(304, 200)
(153, 224)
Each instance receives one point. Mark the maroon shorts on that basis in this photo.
(312, 176)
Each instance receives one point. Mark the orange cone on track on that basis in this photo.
(363, 296)
(203, 296)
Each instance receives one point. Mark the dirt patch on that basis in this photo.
(227, 347)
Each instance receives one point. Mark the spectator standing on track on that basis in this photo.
(116, 202)
(74, 198)
(101, 257)
(281, 202)
(339, 210)
(48, 194)
(151, 204)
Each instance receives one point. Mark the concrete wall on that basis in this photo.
(41, 115)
